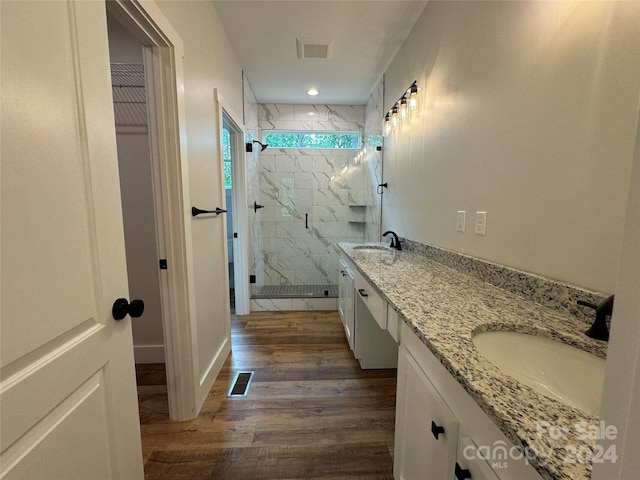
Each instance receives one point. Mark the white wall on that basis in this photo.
(209, 62)
(528, 114)
(138, 215)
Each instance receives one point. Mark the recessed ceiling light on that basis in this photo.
(311, 114)
(312, 91)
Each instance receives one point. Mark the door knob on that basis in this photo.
(121, 308)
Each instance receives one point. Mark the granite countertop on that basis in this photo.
(445, 308)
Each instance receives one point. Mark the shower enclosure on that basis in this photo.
(312, 199)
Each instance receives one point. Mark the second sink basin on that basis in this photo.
(551, 368)
(372, 248)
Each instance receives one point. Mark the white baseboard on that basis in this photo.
(209, 375)
(148, 353)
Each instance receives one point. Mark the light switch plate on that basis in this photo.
(481, 223)
(461, 220)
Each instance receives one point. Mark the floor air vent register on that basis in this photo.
(241, 384)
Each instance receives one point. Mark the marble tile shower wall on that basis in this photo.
(313, 198)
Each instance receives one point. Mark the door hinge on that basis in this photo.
(235, 234)
(163, 263)
(252, 279)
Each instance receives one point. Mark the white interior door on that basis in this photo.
(67, 385)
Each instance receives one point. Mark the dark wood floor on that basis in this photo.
(311, 412)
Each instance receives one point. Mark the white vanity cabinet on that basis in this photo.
(426, 433)
(428, 393)
(345, 300)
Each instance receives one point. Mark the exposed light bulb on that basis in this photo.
(413, 97)
(403, 110)
(387, 125)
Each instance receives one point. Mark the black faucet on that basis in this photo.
(395, 241)
(599, 329)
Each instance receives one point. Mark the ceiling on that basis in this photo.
(365, 37)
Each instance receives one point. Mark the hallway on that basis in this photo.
(311, 412)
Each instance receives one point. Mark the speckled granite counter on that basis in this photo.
(445, 308)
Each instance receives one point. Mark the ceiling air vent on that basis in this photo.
(314, 48)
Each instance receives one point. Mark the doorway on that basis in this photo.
(234, 190)
(136, 189)
(233, 148)
(161, 51)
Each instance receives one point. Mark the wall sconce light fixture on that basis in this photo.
(402, 109)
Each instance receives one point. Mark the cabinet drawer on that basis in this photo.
(393, 323)
(374, 302)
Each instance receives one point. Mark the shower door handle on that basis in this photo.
(306, 220)
(256, 206)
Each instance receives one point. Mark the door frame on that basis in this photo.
(240, 217)
(163, 62)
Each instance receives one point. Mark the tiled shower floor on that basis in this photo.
(297, 291)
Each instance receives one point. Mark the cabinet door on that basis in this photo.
(421, 416)
(343, 291)
(345, 302)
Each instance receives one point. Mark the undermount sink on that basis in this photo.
(372, 248)
(551, 368)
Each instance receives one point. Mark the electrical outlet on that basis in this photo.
(461, 219)
(481, 223)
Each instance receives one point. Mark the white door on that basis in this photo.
(67, 388)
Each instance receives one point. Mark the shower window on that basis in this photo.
(226, 157)
(313, 139)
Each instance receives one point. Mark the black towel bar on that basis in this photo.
(196, 211)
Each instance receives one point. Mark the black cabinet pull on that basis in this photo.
(462, 473)
(121, 308)
(306, 220)
(362, 292)
(436, 429)
(196, 211)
